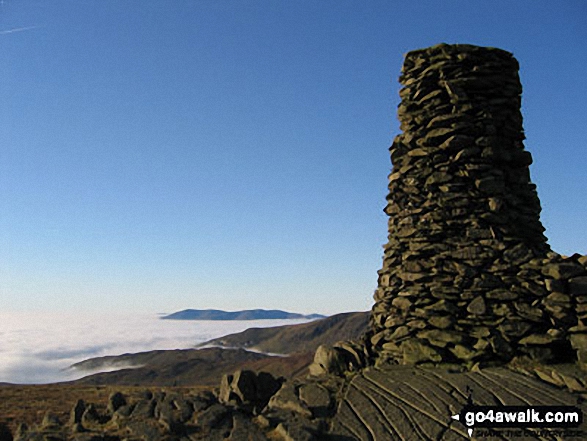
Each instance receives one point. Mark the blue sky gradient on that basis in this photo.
(162, 155)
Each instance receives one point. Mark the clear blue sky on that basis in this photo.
(160, 155)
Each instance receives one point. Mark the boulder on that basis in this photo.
(50, 422)
(77, 411)
(246, 388)
(328, 360)
(317, 399)
(287, 399)
(90, 417)
(115, 401)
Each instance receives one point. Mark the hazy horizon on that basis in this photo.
(39, 348)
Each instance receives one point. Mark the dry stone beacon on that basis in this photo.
(468, 276)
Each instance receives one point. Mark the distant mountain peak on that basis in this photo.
(248, 314)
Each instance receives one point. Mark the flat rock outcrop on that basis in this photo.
(411, 403)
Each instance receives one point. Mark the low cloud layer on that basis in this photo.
(38, 348)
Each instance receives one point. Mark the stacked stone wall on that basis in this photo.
(468, 276)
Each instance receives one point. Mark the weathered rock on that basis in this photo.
(328, 360)
(553, 285)
(227, 394)
(145, 431)
(353, 353)
(90, 416)
(317, 398)
(292, 431)
(537, 339)
(512, 329)
(267, 386)
(115, 401)
(246, 388)
(144, 408)
(465, 353)
(563, 270)
(477, 306)
(243, 429)
(579, 341)
(171, 412)
(183, 409)
(212, 416)
(124, 411)
(50, 421)
(75, 416)
(441, 337)
(287, 399)
(415, 352)
(578, 286)
(441, 321)
(387, 404)
(557, 297)
(202, 401)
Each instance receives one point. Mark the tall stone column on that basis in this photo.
(462, 277)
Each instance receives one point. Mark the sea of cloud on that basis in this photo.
(37, 348)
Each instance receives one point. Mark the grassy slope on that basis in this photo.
(192, 367)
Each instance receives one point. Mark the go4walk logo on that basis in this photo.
(518, 417)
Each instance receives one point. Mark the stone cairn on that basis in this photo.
(468, 277)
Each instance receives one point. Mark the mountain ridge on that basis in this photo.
(288, 339)
(247, 314)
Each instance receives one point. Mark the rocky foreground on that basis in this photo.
(185, 373)
(393, 402)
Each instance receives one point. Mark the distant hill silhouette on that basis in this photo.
(250, 314)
